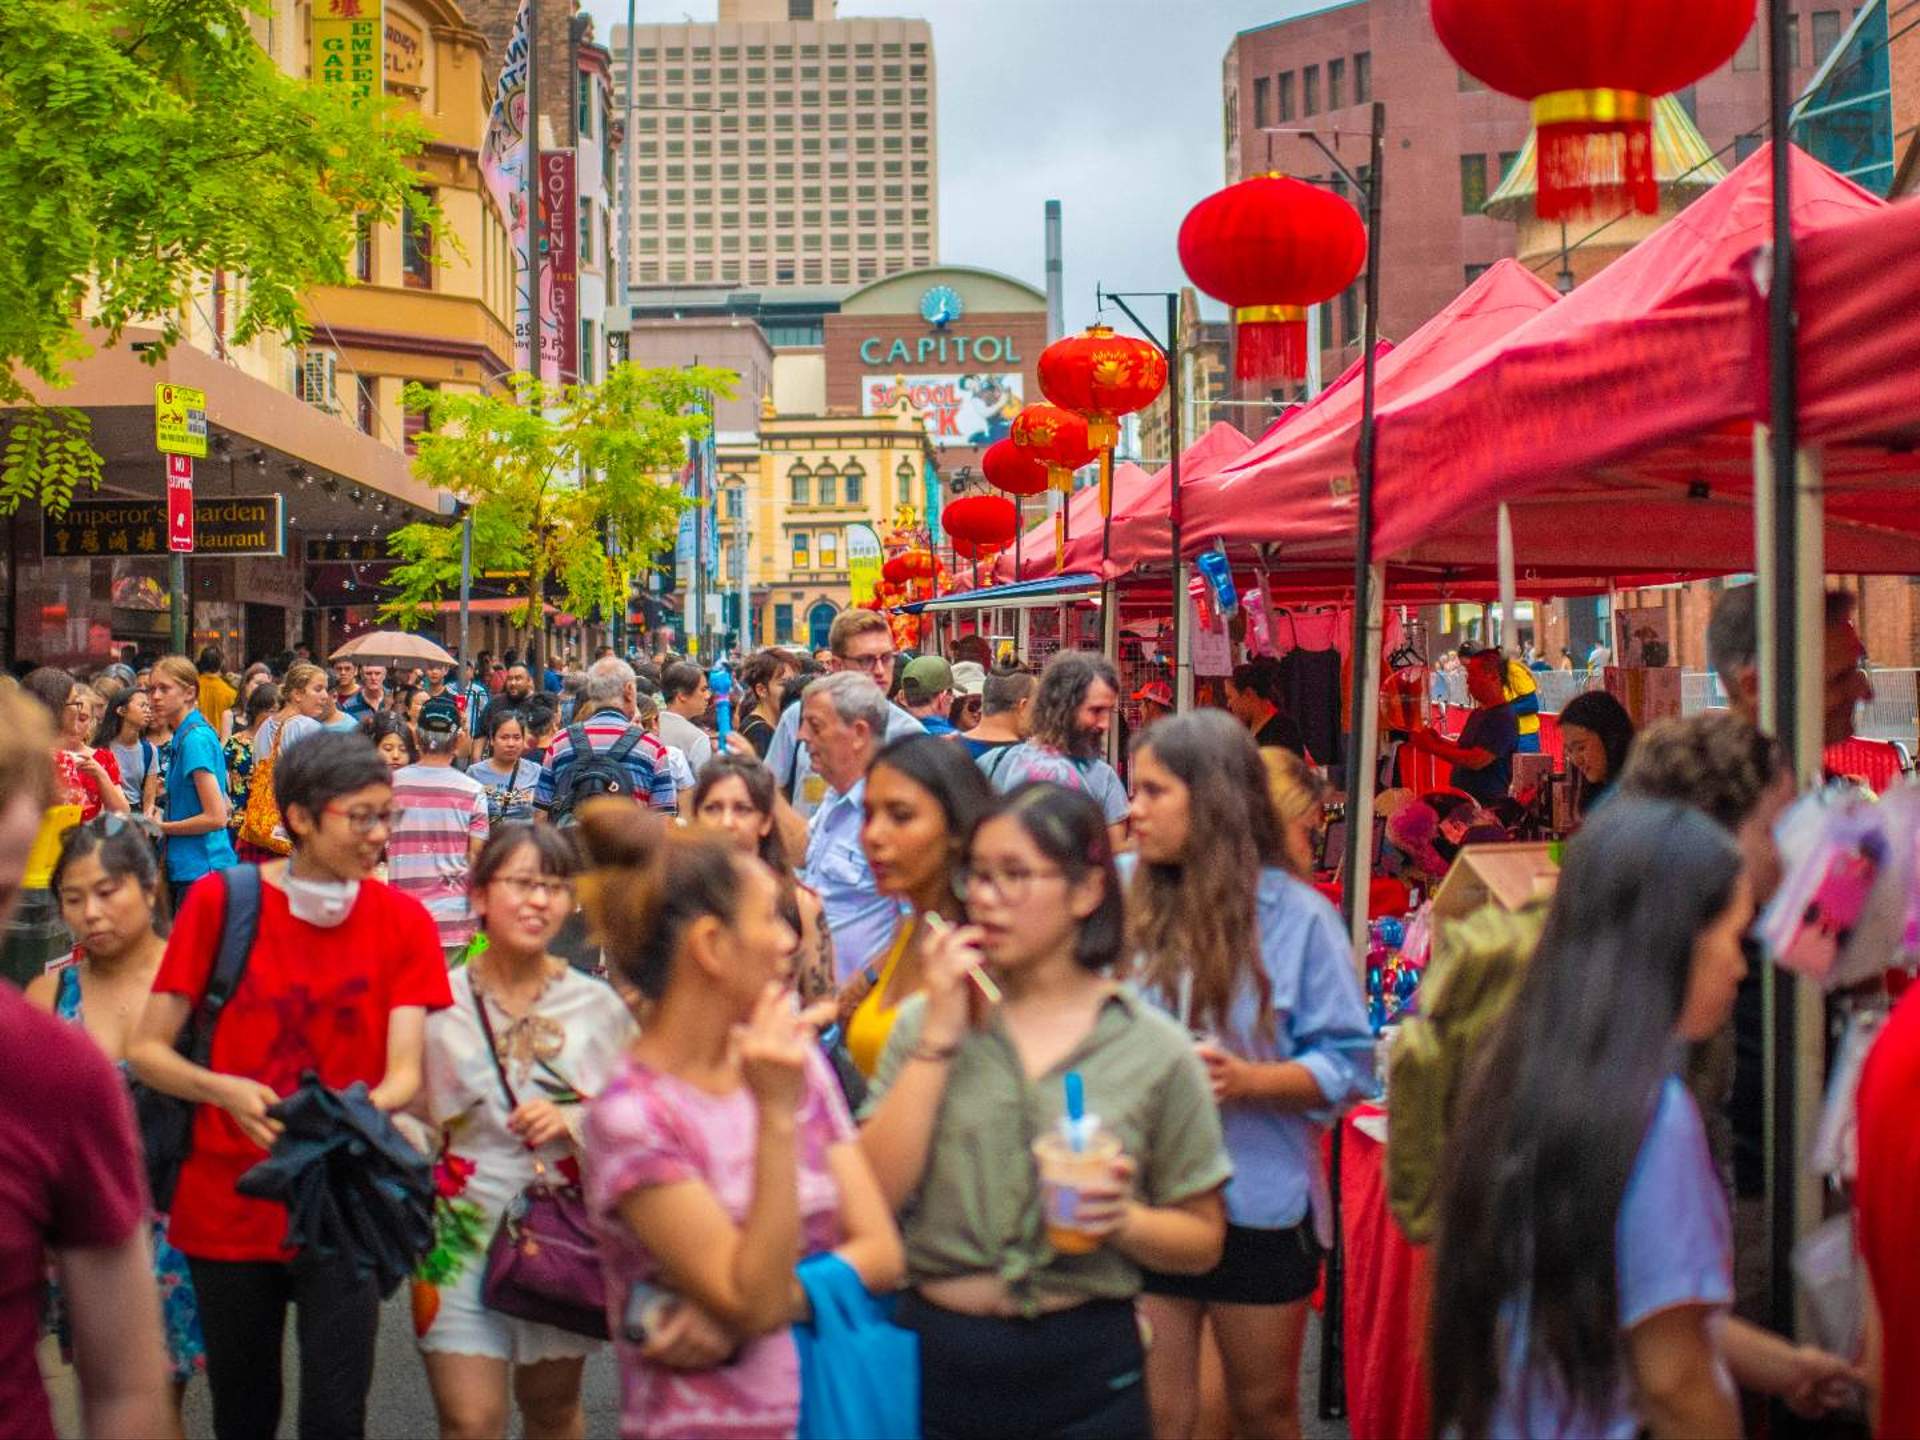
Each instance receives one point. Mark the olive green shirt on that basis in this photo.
(977, 1209)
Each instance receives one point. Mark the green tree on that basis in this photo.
(149, 144)
(517, 459)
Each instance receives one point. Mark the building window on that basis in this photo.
(783, 624)
(801, 491)
(1689, 99)
(366, 410)
(363, 251)
(416, 250)
(1310, 90)
(1507, 157)
(1793, 41)
(1284, 89)
(1474, 272)
(1826, 33)
(1350, 314)
(736, 492)
(1744, 146)
(1336, 84)
(1260, 88)
(1467, 84)
(1363, 78)
(414, 423)
(583, 106)
(903, 478)
(829, 550)
(802, 558)
(855, 479)
(1747, 57)
(587, 347)
(829, 486)
(1473, 184)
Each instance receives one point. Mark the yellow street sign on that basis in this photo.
(180, 420)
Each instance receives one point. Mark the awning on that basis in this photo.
(1028, 594)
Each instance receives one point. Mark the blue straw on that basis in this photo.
(1076, 1111)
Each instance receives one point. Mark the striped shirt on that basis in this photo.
(646, 763)
(437, 812)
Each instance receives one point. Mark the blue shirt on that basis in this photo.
(195, 748)
(1673, 1246)
(1319, 1021)
(1492, 728)
(357, 704)
(939, 725)
(860, 919)
(792, 766)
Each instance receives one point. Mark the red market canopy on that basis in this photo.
(1083, 519)
(1294, 488)
(1617, 425)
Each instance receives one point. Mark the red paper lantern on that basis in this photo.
(1270, 247)
(981, 522)
(1013, 470)
(976, 549)
(908, 565)
(1055, 437)
(1592, 69)
(1101, 375)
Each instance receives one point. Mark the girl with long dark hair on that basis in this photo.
(1597, 733)
(1025, 1317)
(122, 733)
(735, 793)
(923, 798)
(1584, 1265)
(1253, 960)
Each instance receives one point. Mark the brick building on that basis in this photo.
(1449, 139)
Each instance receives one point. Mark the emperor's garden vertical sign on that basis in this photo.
(347, 45)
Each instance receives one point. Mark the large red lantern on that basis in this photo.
(1055, 437)
(1102, 376)
(1012, 470)
(1592, 69)
(980, 521)
(1270, 247)
(908, 565)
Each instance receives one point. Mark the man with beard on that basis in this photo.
(1073, 709)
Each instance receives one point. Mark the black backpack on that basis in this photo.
(595, 773)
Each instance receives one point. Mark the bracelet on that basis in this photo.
(934, 1056)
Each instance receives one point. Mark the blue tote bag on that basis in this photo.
(859, 1372)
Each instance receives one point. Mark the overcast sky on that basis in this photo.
(1111, 107)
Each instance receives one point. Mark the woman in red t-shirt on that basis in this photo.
(341, 975)
(83, 776)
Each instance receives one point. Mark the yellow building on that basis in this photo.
(808, 478)
(436, 309)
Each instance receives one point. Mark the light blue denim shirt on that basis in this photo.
(1319, 1021)
(792, 763)
(860, 919)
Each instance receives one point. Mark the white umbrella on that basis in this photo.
(393, 647)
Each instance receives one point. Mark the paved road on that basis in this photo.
(402, 1409)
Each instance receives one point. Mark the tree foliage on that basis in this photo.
(518, 458)
(151, 143)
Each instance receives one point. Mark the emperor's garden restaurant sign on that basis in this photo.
(246, 525)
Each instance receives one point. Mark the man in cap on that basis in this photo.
(1155, 699)
(439, 825)
(926, 693)
(969, 688)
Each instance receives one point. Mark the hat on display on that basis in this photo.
(925, 678)
(969, 678)
(1155, 692)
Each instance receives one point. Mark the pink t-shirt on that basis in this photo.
(647, 1129)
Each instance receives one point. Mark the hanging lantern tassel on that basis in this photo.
(1059, 539)
(1595, 154)
(1271, 342)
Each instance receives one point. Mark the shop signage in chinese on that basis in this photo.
(179, 420)
(347, 48)
(559, 204)
(241, 525)
(180, 503)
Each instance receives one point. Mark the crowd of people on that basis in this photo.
(890, 971)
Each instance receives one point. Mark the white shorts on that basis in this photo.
(462, 1325)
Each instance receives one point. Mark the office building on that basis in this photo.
(780, 146)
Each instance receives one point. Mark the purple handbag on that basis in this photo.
(543, 1263)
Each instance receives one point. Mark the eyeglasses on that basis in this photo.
(872, 662)
(363, 822)
(527, 887)
(1012, 885)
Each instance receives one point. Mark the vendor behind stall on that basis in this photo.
(1482, 758)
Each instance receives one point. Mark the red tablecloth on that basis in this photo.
(1387, 1284)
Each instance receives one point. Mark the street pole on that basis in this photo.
(1176, 514)
(178, 601)
(746, 585)
(466, 583)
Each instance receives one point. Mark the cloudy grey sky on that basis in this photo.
(1111, 107)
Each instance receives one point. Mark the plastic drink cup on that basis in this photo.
(1064, 1172)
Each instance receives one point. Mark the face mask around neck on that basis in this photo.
(325, 903)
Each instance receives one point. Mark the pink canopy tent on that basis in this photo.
(1617, 425)
(1083, 519)
(1293, 490)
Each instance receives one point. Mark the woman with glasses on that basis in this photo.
(1255, 966)
(923, 798)
(197, 805)
(509, 1068)
(1025, 1318)
(338, 981)
(122, 734)
(735, 793)
(87, 776)
(107, 880)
